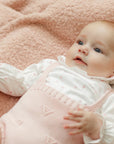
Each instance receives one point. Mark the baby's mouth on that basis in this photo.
(79, 60)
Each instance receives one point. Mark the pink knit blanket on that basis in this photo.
(31, 30)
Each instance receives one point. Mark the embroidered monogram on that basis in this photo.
(50, 140)
(46, 110)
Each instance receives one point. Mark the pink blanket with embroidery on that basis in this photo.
(31, 30)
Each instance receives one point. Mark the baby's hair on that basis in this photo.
(109, 23)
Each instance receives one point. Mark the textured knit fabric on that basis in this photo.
(31, 30)
(70, 81)
(40, 113)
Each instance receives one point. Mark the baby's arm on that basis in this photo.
(12, 80)
(97, 128)
(16, 82)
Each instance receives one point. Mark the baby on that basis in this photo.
(69, 100)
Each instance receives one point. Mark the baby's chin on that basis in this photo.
(106, 75)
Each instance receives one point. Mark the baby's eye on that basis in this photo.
(98, 50)
(80, 42)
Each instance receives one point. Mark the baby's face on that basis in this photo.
(93, 50)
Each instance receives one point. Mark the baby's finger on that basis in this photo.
(72, 126)
(70, 117)
(77, 113)
(78, 131)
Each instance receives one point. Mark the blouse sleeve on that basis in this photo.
(16, 82)
(107, 130)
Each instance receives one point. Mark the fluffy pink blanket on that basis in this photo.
(31, 30)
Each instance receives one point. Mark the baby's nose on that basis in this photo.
(83, 50)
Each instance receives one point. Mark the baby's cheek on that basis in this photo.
(95, 63)
(94, 69)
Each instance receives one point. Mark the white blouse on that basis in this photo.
(70, 81)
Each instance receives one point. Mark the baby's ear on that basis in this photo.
(112, 81)
(111, 75)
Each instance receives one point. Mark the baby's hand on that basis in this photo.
(85, 122)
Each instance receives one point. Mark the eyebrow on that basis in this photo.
(101, 43)
(83, 36)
